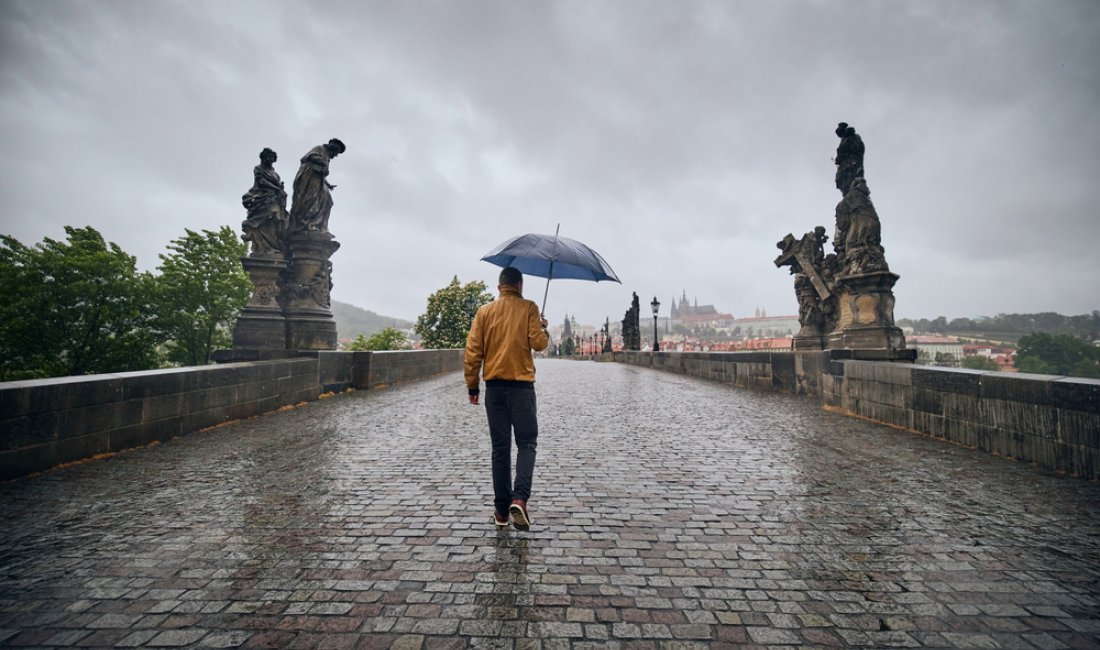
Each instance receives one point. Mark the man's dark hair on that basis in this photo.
(511, 276)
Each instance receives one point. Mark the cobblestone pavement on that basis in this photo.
(668, 512)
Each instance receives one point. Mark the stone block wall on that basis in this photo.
(49, 422)
(1051, 421)
(392, 367)
(761, 370)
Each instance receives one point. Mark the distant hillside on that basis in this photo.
(352, 321)
(1010, 327)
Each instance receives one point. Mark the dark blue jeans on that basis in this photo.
(511, 406)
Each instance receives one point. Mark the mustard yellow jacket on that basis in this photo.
(501, 339)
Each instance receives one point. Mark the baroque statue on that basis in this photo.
(289, 263)
(312, 191)
(858, 236)
(632, 334)
(807, 261)
(861, 232)
(845, 298)
(265, 226)
(849, 156)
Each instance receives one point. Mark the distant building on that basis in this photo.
(937, 350)
(696, 315)
(1005, 358)
(767, 326)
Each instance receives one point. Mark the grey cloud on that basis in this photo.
(682, 138)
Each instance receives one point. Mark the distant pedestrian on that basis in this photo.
(499, 346)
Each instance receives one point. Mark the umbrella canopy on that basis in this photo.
(552, 257)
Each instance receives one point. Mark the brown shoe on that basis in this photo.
(501, 522)
(518, 510)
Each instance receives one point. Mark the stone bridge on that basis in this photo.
(668, 511)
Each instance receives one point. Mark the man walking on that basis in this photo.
(499, 346)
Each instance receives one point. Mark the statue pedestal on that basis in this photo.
(261, 324)
(306, 301)
(865, 313)
(802, 342)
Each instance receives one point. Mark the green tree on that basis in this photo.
(1089, 368)
(387, 339)
(946, 359)
(1057, 354)
(446, 321)
(73, 307)
(978, 362)
(201, 288)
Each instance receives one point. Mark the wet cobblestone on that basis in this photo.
(669, 512)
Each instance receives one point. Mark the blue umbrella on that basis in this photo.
(551, 256)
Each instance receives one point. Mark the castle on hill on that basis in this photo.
(696, 315)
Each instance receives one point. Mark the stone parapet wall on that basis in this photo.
(1051, 421)
(762, 370)
(398, 366)
(49, 422)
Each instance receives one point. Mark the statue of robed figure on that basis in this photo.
(312, 191)
(265, 227)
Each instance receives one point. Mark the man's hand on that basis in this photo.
(544, 322)
(474, 399)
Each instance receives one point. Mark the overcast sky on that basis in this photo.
(681, 139)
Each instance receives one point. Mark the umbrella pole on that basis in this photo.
(550, 273)
(547, 292)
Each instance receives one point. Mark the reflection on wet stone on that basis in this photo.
(730, 517)
(507, 575)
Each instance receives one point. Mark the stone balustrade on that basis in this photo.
(1051, 421)
(49, 422)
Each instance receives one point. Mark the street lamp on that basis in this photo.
(471, 307)
(656, 307)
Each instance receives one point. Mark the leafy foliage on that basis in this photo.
(201, 288)
(387, 339)
(945, 359)
(1011, 326)
(977, 362)
(80, 306)
(446, 321)
(73, 307)
(1058, 354)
